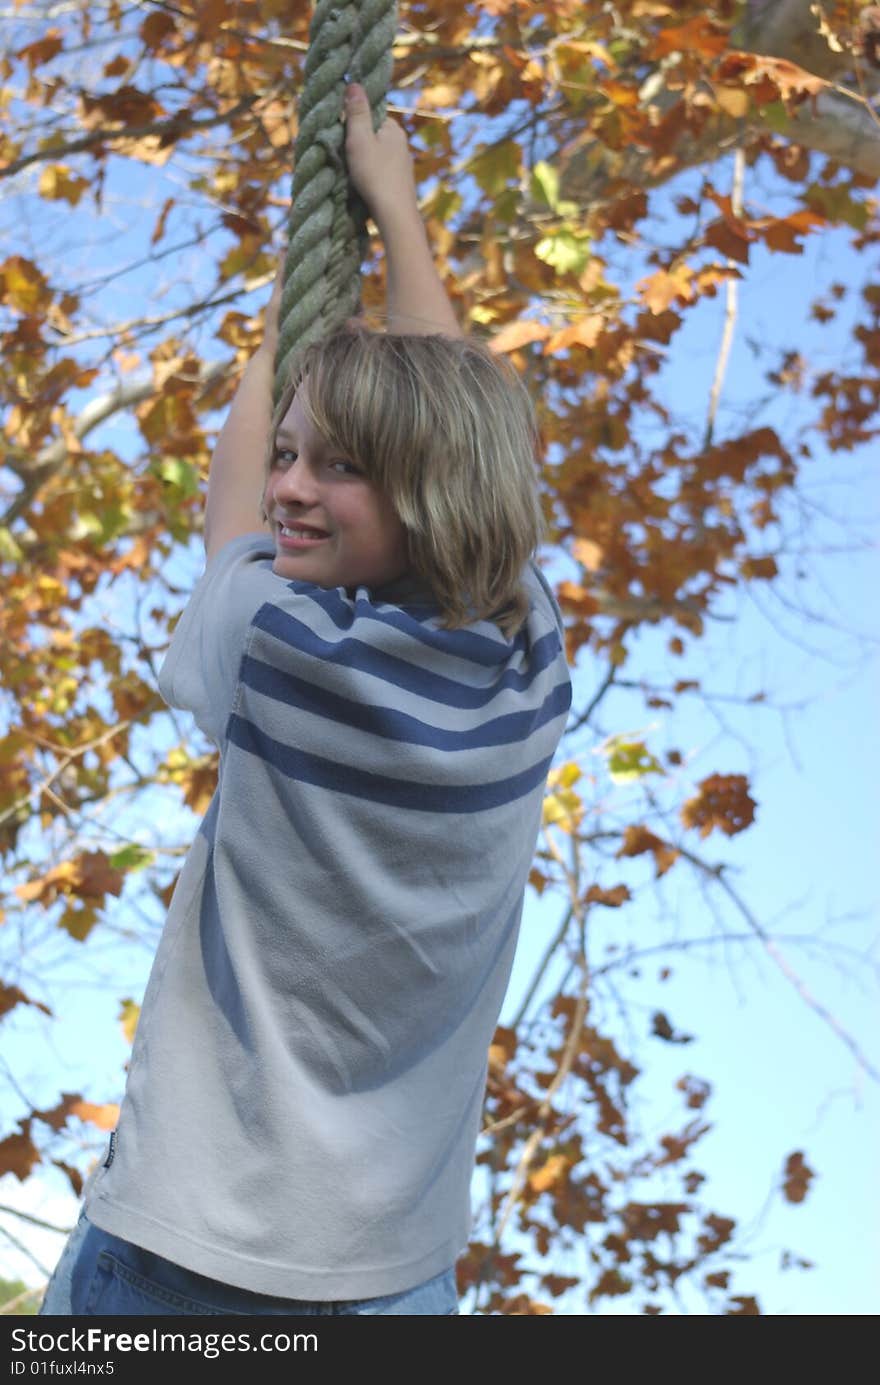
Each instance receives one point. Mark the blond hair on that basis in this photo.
(448, 432)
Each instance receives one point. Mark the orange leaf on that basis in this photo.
(587, 553)
(695, 35)
(586, 332)
(43, 50)
(18, 1154)
(782, 234)
(613, 898)
(116, 66)
(664, 287)
(104, 1117)
(517, 334)
(573, 597)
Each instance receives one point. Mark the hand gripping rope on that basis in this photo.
(327, 235)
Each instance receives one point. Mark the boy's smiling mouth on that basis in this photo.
(294, 534)
(299, 538)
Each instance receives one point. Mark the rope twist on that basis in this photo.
(327, 229)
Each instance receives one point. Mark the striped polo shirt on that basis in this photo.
(306, 1085)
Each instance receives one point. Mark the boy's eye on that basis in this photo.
(347, 466)
(283, 456)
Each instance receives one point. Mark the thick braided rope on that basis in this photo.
(327, 238)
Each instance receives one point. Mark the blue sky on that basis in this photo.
(782, 1079)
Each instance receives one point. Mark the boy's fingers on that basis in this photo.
(356, 102)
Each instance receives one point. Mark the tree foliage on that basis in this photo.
(583, 172)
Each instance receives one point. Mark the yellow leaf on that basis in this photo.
(564, 808)
(22, 284)
(564, 776)
(129, 1014)
(57, 184)
(733, 101)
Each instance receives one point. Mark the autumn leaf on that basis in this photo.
(104, 1117)
(518, 334)
(129, 1014)
(772, 78)
(612, 898)
(587, 553)
(18, 1155)
(665, 287)
(552, 1173)
(782, 234)
(43, 50)
(57, 183)
(695, 35)
(22, 285)
(566, 250)
(661, 1027)
(124, 108)
(798, 1177)
(731, 239)
(723, 801)
(10, 996)
(628, 759)
(585, 332)
(157, 27)
(537, 880)
(734, 101)
(496, 165)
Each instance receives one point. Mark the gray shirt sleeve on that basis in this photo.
(201, 667)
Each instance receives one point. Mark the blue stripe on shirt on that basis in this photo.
(354, 653)
(509, 728)
(461, 643)
(380, 788)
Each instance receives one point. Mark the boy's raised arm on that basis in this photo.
(381, 168)
(238, 463)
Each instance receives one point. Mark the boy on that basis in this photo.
(384, 676)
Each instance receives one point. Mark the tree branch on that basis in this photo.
(52, 457)
(736, 206)
(172, 130)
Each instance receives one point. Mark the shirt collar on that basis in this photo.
(407, 590)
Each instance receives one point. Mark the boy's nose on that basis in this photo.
(296, 483)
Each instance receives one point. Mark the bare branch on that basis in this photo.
(736, 206)
(170, 130)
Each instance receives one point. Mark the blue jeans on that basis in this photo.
(101, 1275)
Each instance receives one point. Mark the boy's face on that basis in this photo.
(351, 533)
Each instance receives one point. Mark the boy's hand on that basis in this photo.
(380, 163)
